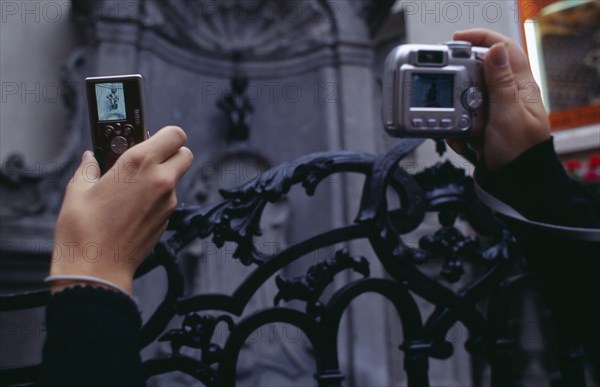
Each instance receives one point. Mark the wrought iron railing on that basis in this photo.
(442, 188)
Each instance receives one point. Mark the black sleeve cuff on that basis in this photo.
(92, 339)
(537, 186)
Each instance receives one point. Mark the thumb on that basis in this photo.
(88, 171)
(500, 79)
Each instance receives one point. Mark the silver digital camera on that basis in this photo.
(434, 90)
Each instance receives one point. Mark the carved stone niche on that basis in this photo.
(309, 65)
(310, 70)
(31, 195)
(292, 52)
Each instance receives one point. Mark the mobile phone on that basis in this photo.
(116, 116)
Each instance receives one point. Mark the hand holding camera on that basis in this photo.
(434, 90)
(492, 89)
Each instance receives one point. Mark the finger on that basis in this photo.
(481, 37)
(486, 38)
(180, 162)
(500, 80)
(164, 143)
(88, 172)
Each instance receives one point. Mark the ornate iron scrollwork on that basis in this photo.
(196, 332)
(441, 188)
(310, 287)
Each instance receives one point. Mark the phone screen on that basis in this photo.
(110, 101)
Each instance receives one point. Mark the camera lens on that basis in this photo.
(432, 57)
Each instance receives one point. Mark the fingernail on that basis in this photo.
(500, 58)
(85, 155)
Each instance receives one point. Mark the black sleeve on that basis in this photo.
(92, 339)
(536, 185)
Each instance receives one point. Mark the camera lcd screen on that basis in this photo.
(110, 101)
(432, 90)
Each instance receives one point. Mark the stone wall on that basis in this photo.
(310, 68)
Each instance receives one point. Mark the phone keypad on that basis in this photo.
(108, 131)
(117, 136)
(119, 145)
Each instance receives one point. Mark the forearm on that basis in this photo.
(536, 185)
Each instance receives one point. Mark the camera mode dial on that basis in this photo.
(472, 98)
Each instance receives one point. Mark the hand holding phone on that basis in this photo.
(116, 116)
(103, 229)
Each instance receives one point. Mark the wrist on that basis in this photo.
(59, 286)
(502, 151)
(73, 276)
(62, 282)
